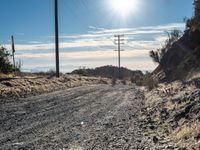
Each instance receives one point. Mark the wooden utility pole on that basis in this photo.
(13, 49)
(57, 39)
(119, 42)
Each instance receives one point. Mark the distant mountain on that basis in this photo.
(109, 72)
(182, 59)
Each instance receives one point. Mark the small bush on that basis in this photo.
(124, 82)
(102, 81)
(145, 80)
(113, 81)
(155, 56)
(137, 79)
(132, 80)
(140, 80)
(50, 73)
(151, 84)
(81, 72)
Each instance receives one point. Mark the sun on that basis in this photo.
(123, 7)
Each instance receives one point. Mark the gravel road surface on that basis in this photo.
(92, 117)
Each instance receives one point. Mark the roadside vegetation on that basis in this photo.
(5, 65)
(29, 86)
(144, 80)
(158, 55)
(172, 107)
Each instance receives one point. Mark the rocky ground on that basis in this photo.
(87, 117)
(98, 115)
(172, 113)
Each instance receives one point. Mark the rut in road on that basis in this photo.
(87, 117)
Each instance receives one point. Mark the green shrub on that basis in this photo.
(5, 65)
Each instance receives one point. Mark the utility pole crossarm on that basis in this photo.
(119, 41)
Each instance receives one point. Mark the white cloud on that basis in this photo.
(131, 59)
(138, 42)
(88, 55)
(104, 37)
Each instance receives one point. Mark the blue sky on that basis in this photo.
(86, 31)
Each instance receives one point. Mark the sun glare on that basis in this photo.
(123, 7)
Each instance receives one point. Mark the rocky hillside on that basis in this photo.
(172, 114)
(109, 72)
(182, 59)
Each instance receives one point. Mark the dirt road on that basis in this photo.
(88, 117)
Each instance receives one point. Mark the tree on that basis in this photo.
(197, 13)
(158, 55)
(194, 22)
(5, 65)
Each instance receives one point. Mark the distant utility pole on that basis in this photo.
(13, 49)
(57, 39)
(119, 41)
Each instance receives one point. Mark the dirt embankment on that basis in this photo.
(172, 111)
(23, 87)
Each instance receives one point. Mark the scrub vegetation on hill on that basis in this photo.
(180, 55)
(172, 109)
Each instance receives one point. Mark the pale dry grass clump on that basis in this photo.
(193, 75)
(22, 87)
(188, 135)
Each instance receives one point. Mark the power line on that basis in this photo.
(119, 41)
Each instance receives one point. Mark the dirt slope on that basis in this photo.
(173, 110)
(180, 59)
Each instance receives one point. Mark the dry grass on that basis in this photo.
(174, 98)
(167, 91)
(187, 131)
(6, 75)
(193, 75)
(186, 136)
(22, 87)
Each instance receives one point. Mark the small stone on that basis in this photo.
(155, 139)
(152, 127)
